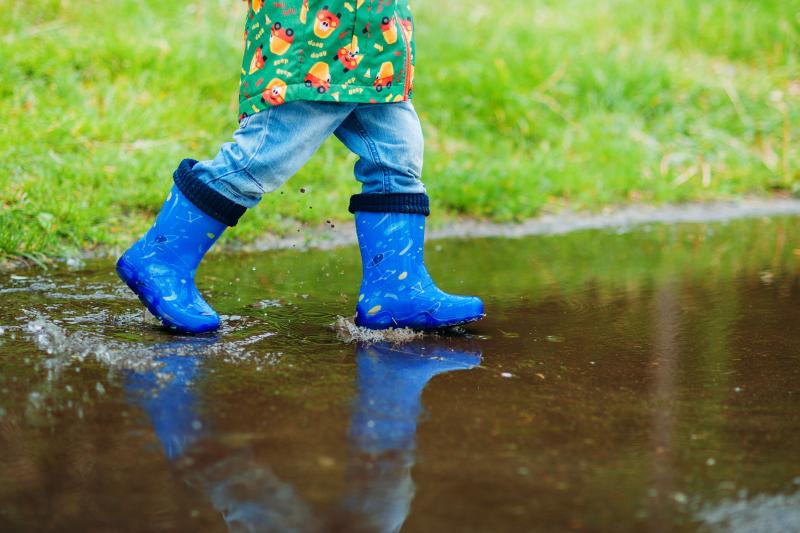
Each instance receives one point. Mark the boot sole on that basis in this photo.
(400, 324)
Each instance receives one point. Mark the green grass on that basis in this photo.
(540, 105)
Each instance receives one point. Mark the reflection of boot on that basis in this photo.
(383, 428)
(249, 496)
(167, 396)
(397, 290)
(161, 266)
(390, 383)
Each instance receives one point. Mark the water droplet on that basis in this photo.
(680, 497)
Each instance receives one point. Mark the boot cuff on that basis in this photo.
(412, 204)
(205, 198)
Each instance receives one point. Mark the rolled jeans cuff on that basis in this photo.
(413, 204)
(204, 197)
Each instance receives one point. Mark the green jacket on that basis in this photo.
(326, 50)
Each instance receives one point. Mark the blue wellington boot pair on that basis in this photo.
(160, 268)
(397, 291)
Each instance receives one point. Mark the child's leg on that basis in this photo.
(268, 148)
(388, 140)
(209, 196)
(396, 290)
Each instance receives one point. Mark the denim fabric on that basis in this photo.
(271, 146)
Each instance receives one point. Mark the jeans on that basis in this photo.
(272, 145)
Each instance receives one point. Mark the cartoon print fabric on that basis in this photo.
(326, 50)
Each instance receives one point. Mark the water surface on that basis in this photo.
(640, 380)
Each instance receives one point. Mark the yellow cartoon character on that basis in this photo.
(257, 5)
(389, 30)
(384, 77)
(275, 92)
(319, 76)
(304, 12)
(326, 23)
(349, 55)
(280, 39)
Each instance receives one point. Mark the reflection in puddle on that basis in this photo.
(248, 494)
(648, 380)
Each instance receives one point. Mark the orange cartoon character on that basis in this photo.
(319, 76)
(257, 5)
(384, 77)
(349, 55)
(326, 23)
(281, 39)
(304, 12)
(275, 92)
(257, 62)
(389, 29)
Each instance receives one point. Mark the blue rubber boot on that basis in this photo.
(397, 291)
(161, 266)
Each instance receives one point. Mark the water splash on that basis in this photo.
(265, 304)
(66, 347)
(347, 330)
(763, 512)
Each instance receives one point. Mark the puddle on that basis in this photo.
(639, 380)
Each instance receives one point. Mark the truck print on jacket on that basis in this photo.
(358, 51)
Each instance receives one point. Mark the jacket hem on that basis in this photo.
(353, 94)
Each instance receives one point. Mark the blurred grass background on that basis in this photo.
(538, 105)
